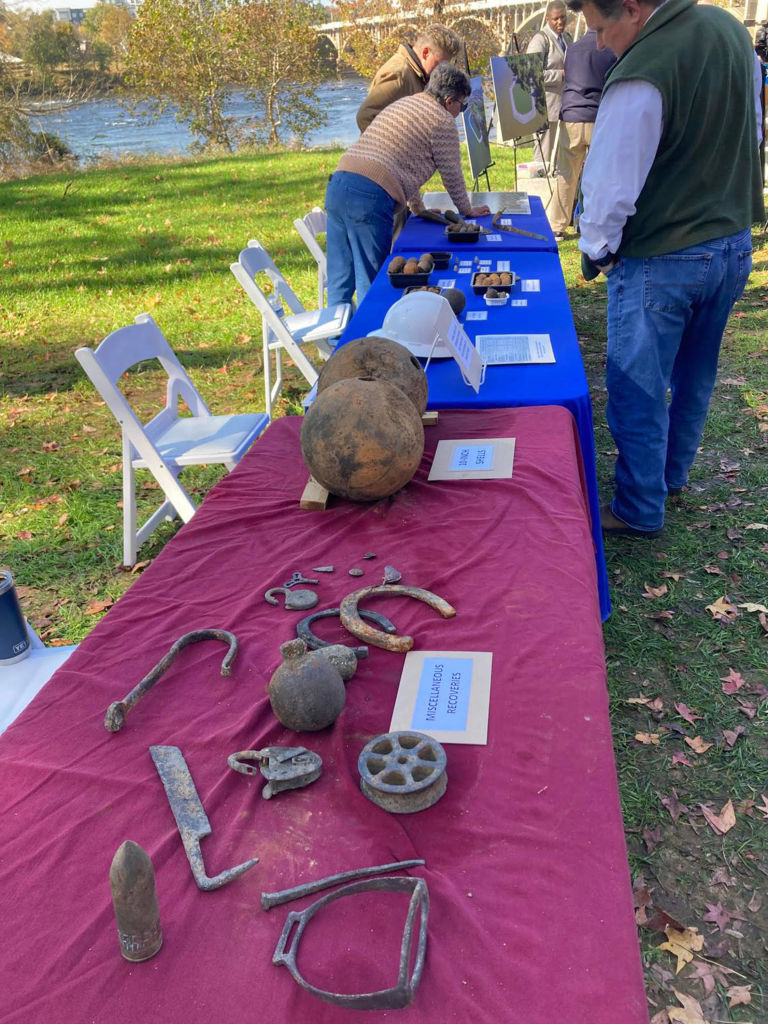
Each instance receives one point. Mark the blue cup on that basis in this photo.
(14, 638)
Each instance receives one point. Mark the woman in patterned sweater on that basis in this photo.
(384, 171)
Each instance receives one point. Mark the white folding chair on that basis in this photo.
(167, 442)
(309, 227)
(281, 330)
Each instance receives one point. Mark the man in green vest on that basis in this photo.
(671, 187)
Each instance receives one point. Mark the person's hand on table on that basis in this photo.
(479, 211)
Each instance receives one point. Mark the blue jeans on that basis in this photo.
(666, 317)
(359, 234)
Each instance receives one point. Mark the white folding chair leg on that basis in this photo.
(130, 544)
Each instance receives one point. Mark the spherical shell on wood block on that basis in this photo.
(375, 359)
(362, 439)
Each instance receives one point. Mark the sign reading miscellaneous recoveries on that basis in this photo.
(473, 458)
(445, 694)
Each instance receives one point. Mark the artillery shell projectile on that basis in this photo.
(132, 881)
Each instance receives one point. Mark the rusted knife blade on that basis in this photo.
(190, 816)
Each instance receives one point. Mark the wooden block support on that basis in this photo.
(314, 496)
(429, 419)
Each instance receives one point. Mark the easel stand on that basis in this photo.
(521, 141)
(483, 174)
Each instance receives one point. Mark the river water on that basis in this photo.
(103, 127)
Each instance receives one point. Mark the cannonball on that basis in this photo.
(396, 265)
(377, 358)
(306, 691)
(456, 299)
(362, 439)
(427, 259)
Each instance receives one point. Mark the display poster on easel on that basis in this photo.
(445, 694)
(521, 105)
(476, 130)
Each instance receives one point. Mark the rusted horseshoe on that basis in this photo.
(114, 720)
(351, 620)
(314, 643)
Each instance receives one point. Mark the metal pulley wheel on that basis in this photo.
(403, 772)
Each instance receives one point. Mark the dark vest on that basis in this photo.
(705, 182)
(585, 71)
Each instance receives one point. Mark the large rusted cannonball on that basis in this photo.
(377, 359)
(362, 439)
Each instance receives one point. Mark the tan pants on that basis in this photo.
(575, 137)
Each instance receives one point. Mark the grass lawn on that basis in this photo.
(688, 640)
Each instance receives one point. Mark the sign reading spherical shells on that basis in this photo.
(375, 358)
(362, 439)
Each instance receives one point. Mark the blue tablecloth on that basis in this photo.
(547, 311)
(425, 236)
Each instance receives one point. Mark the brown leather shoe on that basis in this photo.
(616, 527)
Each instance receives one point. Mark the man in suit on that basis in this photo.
(552, 41)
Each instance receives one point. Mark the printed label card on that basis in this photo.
(474, 458)
(445, 694)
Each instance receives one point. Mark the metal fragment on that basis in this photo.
(114, 720)
(297, 892)
(282, 767)
(134, 898)
(352, 620)
(297, 578)
(295, 600)
(391, 575)
(369, 554)
(355, 572)
(403, 772)
(400, 995)
(190, 816)
(314, 643)
(322, 568)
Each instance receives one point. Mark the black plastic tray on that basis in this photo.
(419, 287)
(442, 259)
(481, 289)
(406, 280)
(462, 236)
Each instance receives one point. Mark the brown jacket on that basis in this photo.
(402, 75)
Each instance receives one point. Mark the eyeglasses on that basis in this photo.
(464, 103)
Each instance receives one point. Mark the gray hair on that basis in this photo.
(442, 39)
(555, 5)
(448, 82)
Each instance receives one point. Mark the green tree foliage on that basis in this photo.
(45, 44)
(107, 25)
(277, 57)
(179, 57)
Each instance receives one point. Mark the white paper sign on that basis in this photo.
(503, 265)
(446, 282)
(465, 354)
(530, 285)
(492, 238)
(472, 457)
(477, 314)
(464, 268)
(518, 302)
(499, 349)
(445, 694)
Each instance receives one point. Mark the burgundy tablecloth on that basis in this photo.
(531, 915)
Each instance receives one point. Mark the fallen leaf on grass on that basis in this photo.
(722, 822)
(722, 610)
(757, 526)
(672, 575)
(691, 1012)
(731, 735)
(732, 682)
(647, 737)
(746, 707)
(652, 592)
(673, 805)
(661, 615)
(721, 877)
(709, 974)
(713, 570)
(679, 758)
(755, 903)
(23, 535)
(717, 914)
(98, 606)
(698, 745)
(687, 713)
(662, 1017)
(751, 607)
(655, 703)
(739, 995)
(651, 838)
(764, 809)
(682, 944)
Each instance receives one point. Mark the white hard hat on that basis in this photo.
(416, 321)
